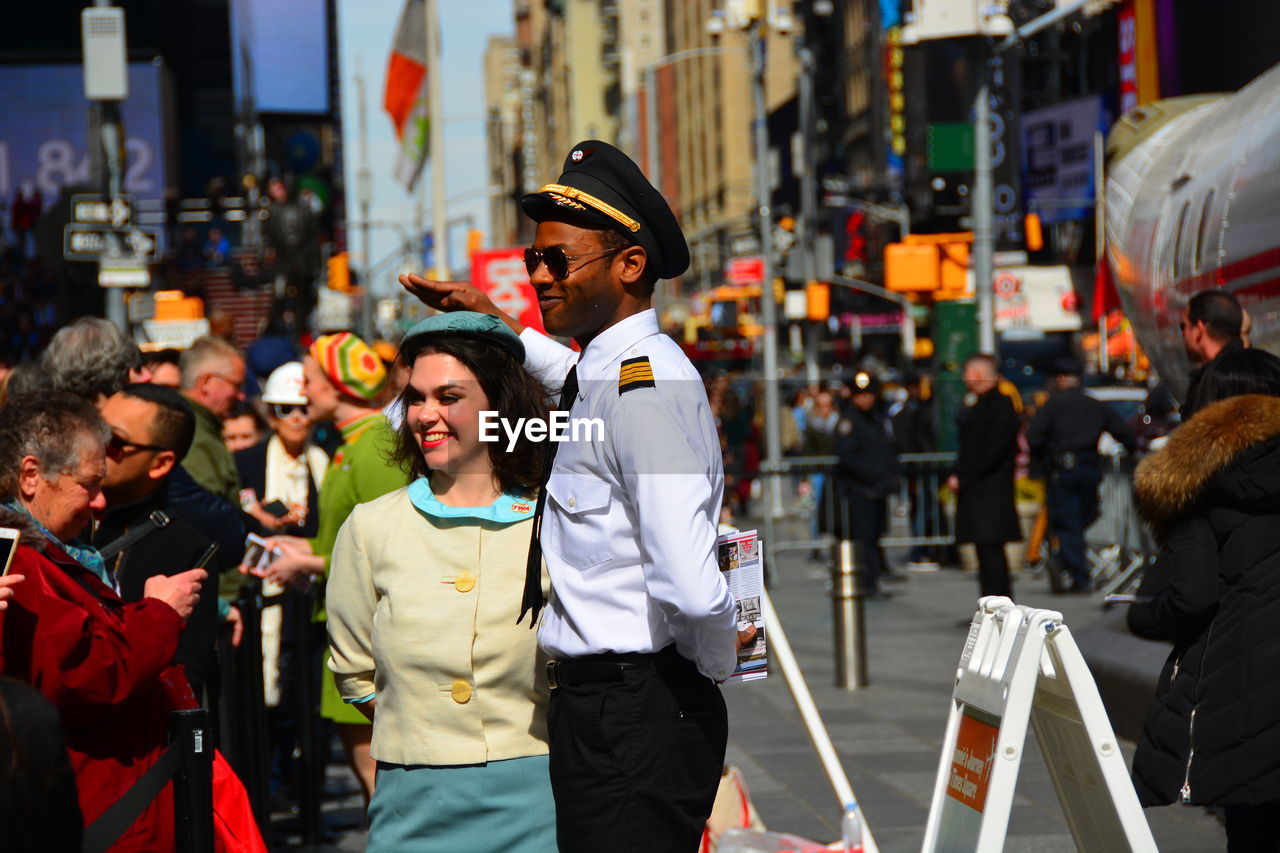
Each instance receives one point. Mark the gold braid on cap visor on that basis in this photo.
(569, 194)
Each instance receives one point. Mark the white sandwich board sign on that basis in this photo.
(1022, 666)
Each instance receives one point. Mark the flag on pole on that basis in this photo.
(406, 99)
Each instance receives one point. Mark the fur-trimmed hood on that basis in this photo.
(1173, 481)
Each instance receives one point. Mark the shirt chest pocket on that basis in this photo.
(580, 532)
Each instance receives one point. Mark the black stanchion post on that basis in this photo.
(306, 695)
(193, 783)
(252, 744)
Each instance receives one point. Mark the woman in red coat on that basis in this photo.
(106, 665)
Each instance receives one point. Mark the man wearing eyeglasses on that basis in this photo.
(640, 624)
(213, 374)
(151, 430)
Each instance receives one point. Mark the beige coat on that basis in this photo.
(422, 612)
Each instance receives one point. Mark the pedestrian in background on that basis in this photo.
(866, 474)
(1211, 323)
(1212, 495)
(213, 373)
(911, 419)
(1064, 435)
(986, 511)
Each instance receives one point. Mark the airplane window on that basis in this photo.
(1202, 233)
(1177, 240)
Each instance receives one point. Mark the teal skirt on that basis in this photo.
(499, 807)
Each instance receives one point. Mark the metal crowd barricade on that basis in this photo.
(919, 513)
(1118, 545)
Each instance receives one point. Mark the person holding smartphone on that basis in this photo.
(104, 663)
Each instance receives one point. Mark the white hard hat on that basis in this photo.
(285, 385)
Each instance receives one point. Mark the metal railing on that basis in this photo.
(919, 514)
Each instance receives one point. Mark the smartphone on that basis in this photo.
(255, 552)
(276, 508)
(9, 538)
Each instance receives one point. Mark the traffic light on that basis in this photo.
(475, 241)
(339, 273)
(817, 297)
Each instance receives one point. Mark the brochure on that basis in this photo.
(742, 564)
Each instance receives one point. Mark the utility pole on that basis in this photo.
(984, 236)
(440, 212)
(808, 206)
(768, 305)
(364, 189)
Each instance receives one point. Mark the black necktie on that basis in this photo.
(533, 599)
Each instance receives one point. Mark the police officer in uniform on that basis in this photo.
(640, 624)
(1064, 434)
(865, 476)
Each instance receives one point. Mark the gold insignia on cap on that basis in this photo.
(565, 202)
(635, 373)
(573, 193)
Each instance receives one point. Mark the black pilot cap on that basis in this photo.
(601, 187)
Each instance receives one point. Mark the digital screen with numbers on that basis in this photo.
(44, 129)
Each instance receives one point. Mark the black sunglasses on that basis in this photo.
(283, 410)
(556, 260)
(118, 448)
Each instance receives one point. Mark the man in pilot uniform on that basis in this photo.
(640, 624)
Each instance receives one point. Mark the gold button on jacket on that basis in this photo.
(465, 582)
(461, 692)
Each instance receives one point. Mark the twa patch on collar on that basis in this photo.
(636, 373)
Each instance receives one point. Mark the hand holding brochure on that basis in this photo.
(742, 565)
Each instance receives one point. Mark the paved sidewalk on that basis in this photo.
(890, 734)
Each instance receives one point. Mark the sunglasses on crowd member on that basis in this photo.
(556, 260)
(284, 410)
(118, 448)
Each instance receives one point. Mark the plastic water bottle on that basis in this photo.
(851, 828)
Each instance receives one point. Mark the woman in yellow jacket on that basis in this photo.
(424, 588)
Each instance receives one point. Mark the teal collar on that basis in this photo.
(507, 509)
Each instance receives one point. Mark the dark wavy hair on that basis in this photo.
(512, 392)
(1234, 372)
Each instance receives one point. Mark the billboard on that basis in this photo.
(280, 55)
(501, 274)
(44, 129)
(1058, 164)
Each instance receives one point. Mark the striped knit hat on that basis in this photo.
(353, 368)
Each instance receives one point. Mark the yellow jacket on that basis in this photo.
(422, 613)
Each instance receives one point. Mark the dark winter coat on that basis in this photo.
(986, 512)
(1212, 735)
(867, 471)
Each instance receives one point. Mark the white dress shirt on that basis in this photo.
(629, 530)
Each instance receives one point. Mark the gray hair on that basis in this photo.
(54, 429)
(90, 357)
(986, 360)
(205, 353)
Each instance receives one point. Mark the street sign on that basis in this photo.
(744, 271)
(124, 271)
(99, 210)
(83, 241)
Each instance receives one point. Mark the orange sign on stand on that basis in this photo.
(971, 762)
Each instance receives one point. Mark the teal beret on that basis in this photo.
(470, 323)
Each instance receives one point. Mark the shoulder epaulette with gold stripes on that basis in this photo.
(636, 373)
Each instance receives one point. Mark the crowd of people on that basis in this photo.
(357, 490)
(146, 490)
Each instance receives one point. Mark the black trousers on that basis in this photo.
(635, 763)
(993, 570)
(1252, 829)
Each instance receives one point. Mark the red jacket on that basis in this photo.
(106, 665)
